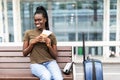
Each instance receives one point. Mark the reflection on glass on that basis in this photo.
(10, 21)
(64, 20)
(78, 16)
(27, 14)
(0, 39)
(113, 4)
(70, 17)
(113, 10)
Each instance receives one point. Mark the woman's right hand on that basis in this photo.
(33, 41)
(28, 45)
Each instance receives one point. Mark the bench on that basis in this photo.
(14, 66)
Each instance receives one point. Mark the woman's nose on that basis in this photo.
(37, 21)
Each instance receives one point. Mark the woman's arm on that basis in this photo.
(28, 46)
(52, 48)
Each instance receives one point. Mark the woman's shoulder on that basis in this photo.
(52, 35)
(29, 31)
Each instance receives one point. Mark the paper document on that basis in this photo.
(46, 32)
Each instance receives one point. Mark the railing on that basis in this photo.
(104, 44)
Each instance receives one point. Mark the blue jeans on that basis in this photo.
(47, 71)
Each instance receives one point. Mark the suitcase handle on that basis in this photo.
(83, 46)
(83, 53)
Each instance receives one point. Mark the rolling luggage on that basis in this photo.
(93, 69)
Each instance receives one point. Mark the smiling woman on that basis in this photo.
(41, 18)
(39, 21)
(42, 48)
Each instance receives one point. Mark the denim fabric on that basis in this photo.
(47, 71)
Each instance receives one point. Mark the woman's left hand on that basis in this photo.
(48, 41)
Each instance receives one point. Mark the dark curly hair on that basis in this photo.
(42, 10)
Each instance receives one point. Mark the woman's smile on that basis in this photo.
(39, 21)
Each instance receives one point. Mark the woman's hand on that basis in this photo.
(52, 48)
(40, 38)
(48, 41)
(33, 41)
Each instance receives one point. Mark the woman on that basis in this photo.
(42, 48)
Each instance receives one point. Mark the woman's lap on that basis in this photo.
(47, 71)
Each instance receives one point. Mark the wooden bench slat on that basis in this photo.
(61, 53)
(64, 48)
(18, 74)
(67, 54)
(19, 48)
(22, 65)
(10, 48)
(14, 59)
(14, 72)
(64, 59)
(26, 59)
(14, 65)
(11, 54)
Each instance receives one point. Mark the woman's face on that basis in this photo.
(39, 21)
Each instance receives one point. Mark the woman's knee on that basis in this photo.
(40, 72)
(45, 76)
(58, 78)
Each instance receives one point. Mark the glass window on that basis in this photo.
(68, 17)
(27, 13)
(64, 19)
(95, 51)
(71, 37)
(90, 17)
(112, 36)
(10, 21)
(79, 16)
(113, 10)
(92, 51)
(0, 39)
(112, 51)
(95, 36)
